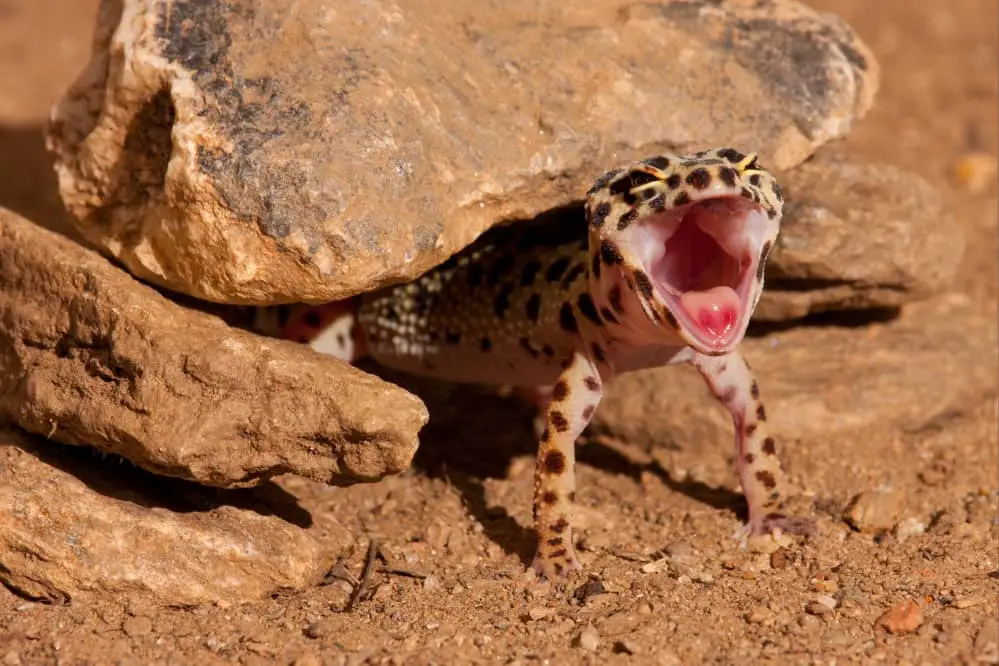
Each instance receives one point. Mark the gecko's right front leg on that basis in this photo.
(573, 399)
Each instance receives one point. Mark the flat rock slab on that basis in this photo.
(818, 381)
(90, 356)
(74, 527)
(293, 150)
(858, 236)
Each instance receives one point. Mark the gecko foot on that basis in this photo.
(554, 568)
(773, 528)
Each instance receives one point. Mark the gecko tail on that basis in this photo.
(329, 328)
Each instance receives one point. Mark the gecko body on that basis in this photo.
(663, 264)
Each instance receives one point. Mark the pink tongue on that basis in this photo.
(715, 311)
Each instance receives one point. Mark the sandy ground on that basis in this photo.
(460, 519)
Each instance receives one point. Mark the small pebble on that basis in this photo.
(588, 639)
(975, 171)
(903, 618)
(875, 510)
(135, 627)
(779, 559)
(11, 658)
(759, 615)
(908, 528)
(538, 613)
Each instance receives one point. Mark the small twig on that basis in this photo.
(339, 572)
(369, 565)
(396, 571)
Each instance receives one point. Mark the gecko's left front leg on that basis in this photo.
(760, 470)
(573, 398)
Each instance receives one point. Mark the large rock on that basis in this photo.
(90, 356)
(821, 381)
(70, 527)
(858, 236)
(258, 152)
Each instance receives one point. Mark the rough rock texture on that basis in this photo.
(857, 236)
(73, 527)
(256, 152)
(821, 380)
(90, 356)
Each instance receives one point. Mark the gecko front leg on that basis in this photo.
(571, 404)
(760, 470)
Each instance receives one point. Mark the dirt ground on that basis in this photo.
(460, 521)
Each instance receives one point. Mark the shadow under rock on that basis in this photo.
(28, 183)
(115, 477)
(831, 319)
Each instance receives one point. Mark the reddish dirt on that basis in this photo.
(461, 518)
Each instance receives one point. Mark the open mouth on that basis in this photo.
(701, 258)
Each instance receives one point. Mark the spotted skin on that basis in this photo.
(558, 307)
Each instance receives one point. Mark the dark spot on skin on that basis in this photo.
(699, 178)
(555, 541)
(556, 269)
(554, 462)
(754, 180)
(526, 344)
(548, 351)
(592, 383)
(771, 213)
(774, 516)
(502, 302)
(750, 428)
(778, 193)
(452, 338)
(571, 276)
(731, 155)
(312, 319)
(671, 319)
(609, 253)
(595, 267)
(499, 268)
(749, 458)
(341, 340)
(533, 307)
(589, 310)
(529, 273)
(767, 479)
(754, 164)
(754, 390)
(770, 446)
(561, 552)
(745, 193)
(681, 199)
(761, 413)
(600, 213)
(561, 390)
(657, 162)
(588, 412)
(659, 203)
(643, 283)
(622, 188)
(602, 181)
(727, 174)
(763, 260)
(674, 181)
(598, 353)
(567, 320)
(608, 316)
(550, 498)
(546, 435)
(614, 297)
(572, 496)
(485, 344)
(558, 568)
(627, 219)
(559, 422)
(560, 525)
(475, 275)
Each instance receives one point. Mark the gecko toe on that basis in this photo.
(546, 568)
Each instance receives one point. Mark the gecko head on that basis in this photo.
(687, 237)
